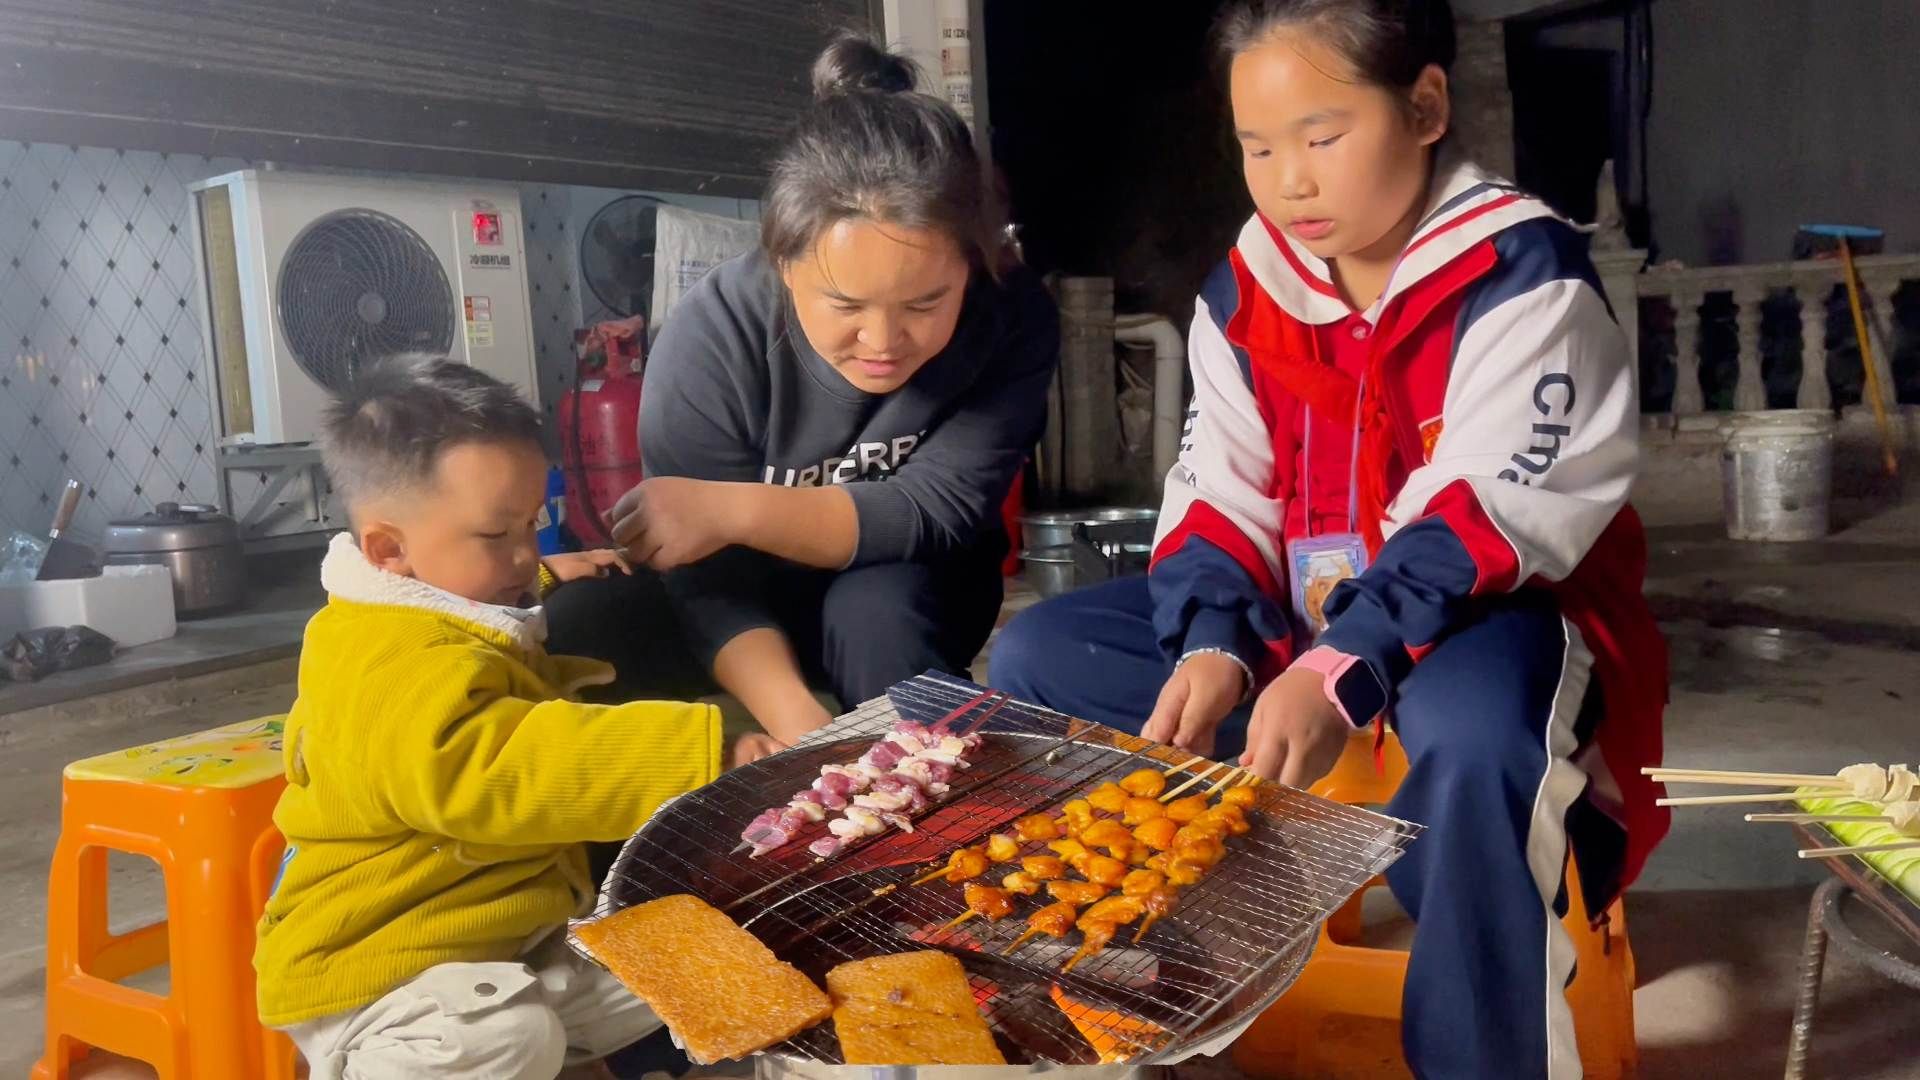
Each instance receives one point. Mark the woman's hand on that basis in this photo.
(1296, 734)
(670, 521)
(574, 565)
(1200, 694)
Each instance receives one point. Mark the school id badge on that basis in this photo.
(1316, 565)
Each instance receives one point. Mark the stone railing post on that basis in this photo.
(1750, 393)
(1620, 280)
(1877, 299)
(1687, 398)
(1815, 393)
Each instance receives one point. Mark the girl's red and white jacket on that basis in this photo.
(1478, 426)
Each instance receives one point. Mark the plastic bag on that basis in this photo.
(687, 245)
(35, 654)
(20, 557)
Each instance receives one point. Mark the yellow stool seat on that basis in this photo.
(235, 756)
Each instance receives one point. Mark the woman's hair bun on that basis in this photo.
(854, 61)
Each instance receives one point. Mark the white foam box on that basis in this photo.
(133, 605)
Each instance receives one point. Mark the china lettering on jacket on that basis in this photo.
(1554, 392)
(862, 461)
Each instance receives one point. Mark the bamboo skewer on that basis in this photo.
(924, 878)
(1226, 780)
(1171, 793)
(1858, 849)
(1708, 776)
(1718, 800)
(1829, 784)
(963, 917)
(1184, 766)
(1026, 936)
(1799, 819)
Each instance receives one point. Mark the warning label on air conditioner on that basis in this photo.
(479, 322)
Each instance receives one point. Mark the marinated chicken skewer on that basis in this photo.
(1100, 922)
(1078, 893)
(986, 901)
(964, 864)
(1158, 902)
(1021, 883)
(1055, 920)
(1145, 783)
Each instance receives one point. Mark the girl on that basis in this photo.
(1401, 496)
(884, 332)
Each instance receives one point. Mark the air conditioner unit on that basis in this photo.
(309, 278)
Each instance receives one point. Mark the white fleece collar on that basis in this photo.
(347, 574)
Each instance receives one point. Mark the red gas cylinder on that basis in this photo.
(600, 434)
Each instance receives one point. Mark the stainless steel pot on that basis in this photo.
(1054, 528)
(197, 544)
(1049, 570)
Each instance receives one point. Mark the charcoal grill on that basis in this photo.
(1237, 941)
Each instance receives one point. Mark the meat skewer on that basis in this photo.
(1055, 920)
(1044, 867)
(1158, 902)
(1076, 892)
(987, 901)
(965, 863)
(1101, 922)
(1021, 883)
(899, 776)
(1144, 783)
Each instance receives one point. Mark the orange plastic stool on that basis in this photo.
(1342, 1017)
(201, 806)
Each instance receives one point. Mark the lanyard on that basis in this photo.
(1353, 465)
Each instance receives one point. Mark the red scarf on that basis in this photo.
(1287, 350)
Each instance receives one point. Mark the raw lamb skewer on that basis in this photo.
(897, 777)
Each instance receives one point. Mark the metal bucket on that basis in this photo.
(1049, 570)
(1777, 475)
(1054, 528)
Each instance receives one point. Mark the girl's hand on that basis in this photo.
(752, 747)
(1296, 734)
(671, 521)
(574, 565)
(1200, 694)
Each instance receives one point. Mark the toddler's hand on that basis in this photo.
(574, 565)
(751, 748)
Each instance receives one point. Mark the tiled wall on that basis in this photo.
(99, 339)
(100, 375)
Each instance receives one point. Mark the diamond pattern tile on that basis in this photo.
(553, 270)
(99, 340)
(99, 350)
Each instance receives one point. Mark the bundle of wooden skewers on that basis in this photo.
(1891, 795)
(1133, 844)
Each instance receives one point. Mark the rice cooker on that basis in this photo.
(199, 545)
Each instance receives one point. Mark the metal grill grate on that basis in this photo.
(1236, 941)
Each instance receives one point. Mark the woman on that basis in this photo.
(1402, 497)
(830, 424)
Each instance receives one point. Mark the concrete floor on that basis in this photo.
(1801, 659)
